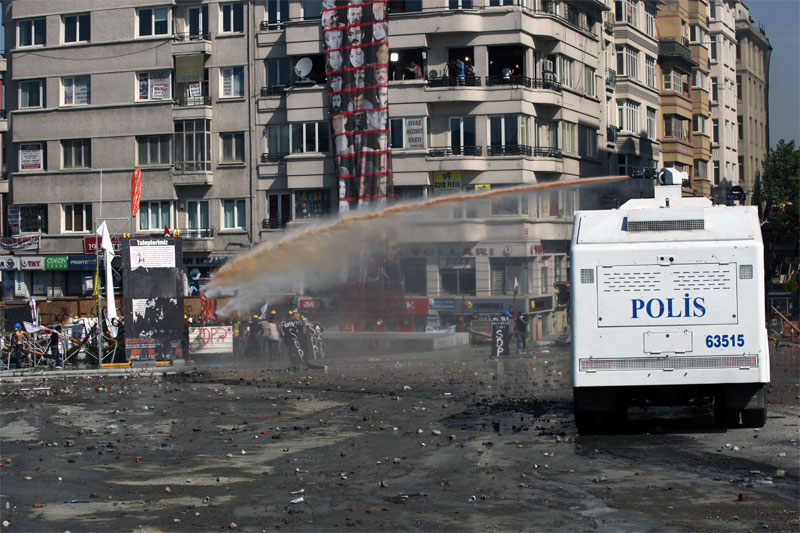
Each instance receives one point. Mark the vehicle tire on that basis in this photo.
(754, 418)
(586, 423)
(723, 417)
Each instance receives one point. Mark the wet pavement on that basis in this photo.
(449, 441)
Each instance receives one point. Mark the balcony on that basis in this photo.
(454, 81)
(188, 179)
(509, 149)
(611, 77)
(456, 151)
(609, 27)
(197, 233)
(545, 83)
(275, 223)
(192, 101)
(273, 157)
(191, 43)
(546, 151)
(675, 49)
(271, 26)
(273, 90)
(197, 239)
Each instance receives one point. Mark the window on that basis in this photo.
(31, 32)
(715, 130)
(154, 21)
(462, 132)
(564, 71)
(232, 147)
(714, 48)
(739, 87)
(714, 93)
(312, 9)
(153, 150)
(700, 79)
(232, 17)
(279, 207)
(503, 130)
(414, 274)
(587, 141)
(77, 217)
(76, 91)
(277, 12)
(700, 124)
(712, 9)
(460, 4)
(153, 216)
(231, 82)
(198, 23)
(628, 62)
(31, 156)
(697, 34)
(198, 221)
(154, 85)
(504, 271)
(628, 164)
(649, 22)
(650, 71)
(76, 28)
(192, 145)
(628, 115)
(626, 11)
(740, 127)
(30, 93)
(651, 123)
(674, 128)
(544, 273)
(407, 133)
(511, 204)
(700, 169)
(673, 80)
(278, 72)
(76, 153)
(568, 137)
(310, 137)
(459, 280)
(277, 140)
(233, 214)
(588, 73)
(312, 203)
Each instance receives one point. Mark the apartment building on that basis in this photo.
(632, 102)
(724, 137)
(223, 105)
(118, 85)
(752, 100)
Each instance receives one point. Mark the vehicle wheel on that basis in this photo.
(724, 417)
(754, 418)
(586, 423)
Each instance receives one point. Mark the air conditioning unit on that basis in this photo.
(547, 65)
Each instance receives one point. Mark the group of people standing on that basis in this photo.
(259, 337)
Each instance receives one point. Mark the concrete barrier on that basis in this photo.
(369, 343)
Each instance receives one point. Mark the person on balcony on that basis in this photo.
(460, 68)
(507, 73)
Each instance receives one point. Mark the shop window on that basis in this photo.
(459, 280)
(312, 204)
(414, 273)
(503, 272)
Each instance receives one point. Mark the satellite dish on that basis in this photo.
(303, 67)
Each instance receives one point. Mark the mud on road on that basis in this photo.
(450, 442)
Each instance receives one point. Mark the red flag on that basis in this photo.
(136, 191)
(166, 231)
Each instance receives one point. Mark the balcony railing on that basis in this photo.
(192, 101)
(546, 151)
(611, 77)
(455, 151)
(509, 149)
(454, 81)
(189, 36)
(267, 26)
(273, 90)
(273, 157)
(275, 223)
(197, 233)
(545, 83)
(511, 80)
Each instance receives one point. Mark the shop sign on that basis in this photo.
(28, 242)
(308, 305)
(34, 262)
(415, 135)
(31, 156)
(447, 251)
(9, 263)
(417, 306)
(90, 244)
(56, 262)
(447, 181)
(491, 306)
(442, 304)
(543, 303)
(457, 263)
(200, 261)
(13, 220)
(81, 262)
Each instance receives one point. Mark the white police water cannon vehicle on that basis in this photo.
(668, 309)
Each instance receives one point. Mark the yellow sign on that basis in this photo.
(468, 304)
(482, 187)
(447, 181)
(533, 305)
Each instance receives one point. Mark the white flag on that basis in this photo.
(105, 238)
(108, 247)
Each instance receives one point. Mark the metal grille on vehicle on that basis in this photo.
(587, 275)
(718, 279)
(745, 271)
(669, 363)
(623, 281)
(666, 225)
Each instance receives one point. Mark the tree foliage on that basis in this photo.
(780, 193)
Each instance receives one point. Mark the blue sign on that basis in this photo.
(442, 304)
(81, 262)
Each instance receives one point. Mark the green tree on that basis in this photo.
(780, 202)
